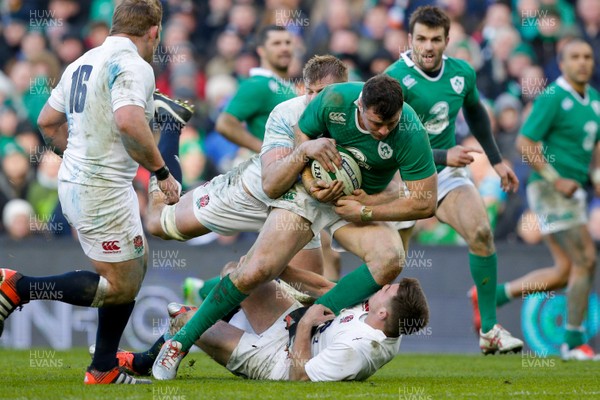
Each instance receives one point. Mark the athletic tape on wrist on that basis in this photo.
(549, 173)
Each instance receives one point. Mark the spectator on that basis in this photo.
(16, 218)
(588, 12)
(372, 32)
(32, 44)
(43, 191)
(497, 17)
(521, 58)
(13, 33)
(468, 50)
(97, 33)
(213, 16)
(396, 42)
(70, 48)
(15, 175)
(457, 11)
(379, 62)
(337, 17)
(507, 110)
(493, 76)
(30, 141)
(243, 20)
(229, 46)
(244, 63)
(533, 82)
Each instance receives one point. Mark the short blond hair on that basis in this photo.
(320, 67)
(135, 17)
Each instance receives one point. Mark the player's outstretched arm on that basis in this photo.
(533, 154)
(53, 125)
(234, 131)
(301, 352)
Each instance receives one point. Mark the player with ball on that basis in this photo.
(385, 136)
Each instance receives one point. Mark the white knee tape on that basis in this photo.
(100, 293)
(167, 222)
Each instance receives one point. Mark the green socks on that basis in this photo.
(501, 296)
(208, 286)
(220, 301)
(484, 273)
(350, 290)
(574, 337)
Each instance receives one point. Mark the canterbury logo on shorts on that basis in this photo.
(111, 246)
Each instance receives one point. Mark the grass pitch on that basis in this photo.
(48, 375)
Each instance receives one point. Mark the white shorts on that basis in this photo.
(400, 225)
(554, 211)
(264, 356)
(320, 215)
(223, 206)
(107, 220)
(448, 179)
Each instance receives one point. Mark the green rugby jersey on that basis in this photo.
(438, 100)
(567, 127)
(256, 97)
(334, 113)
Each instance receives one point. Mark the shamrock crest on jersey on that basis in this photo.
(384, 150)
(458, 84)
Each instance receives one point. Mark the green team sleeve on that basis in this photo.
(472, 96)
(416, 162)
(312, 122)
(246, 101)
(541, 118)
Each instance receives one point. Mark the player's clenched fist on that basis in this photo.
(171, 188)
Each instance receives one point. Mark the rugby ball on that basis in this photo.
(349, 173)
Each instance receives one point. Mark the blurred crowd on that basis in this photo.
(207, 48)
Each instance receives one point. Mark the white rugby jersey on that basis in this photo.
(279, 132)
(95, 85)
(348, 349)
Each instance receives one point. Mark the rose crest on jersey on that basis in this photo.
(458, 84)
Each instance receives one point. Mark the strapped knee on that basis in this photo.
(101, 291)
(169, 227)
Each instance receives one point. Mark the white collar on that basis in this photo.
(406, 57)
(562, 82)
(122, 40)
(260, 71)
(361, 130)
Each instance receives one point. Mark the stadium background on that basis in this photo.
(206, 49)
